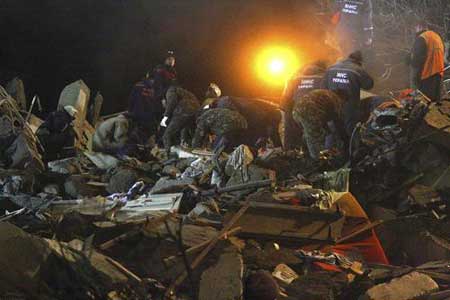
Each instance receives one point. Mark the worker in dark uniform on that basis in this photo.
(164, 76)
(145, 108)
(57, 132)
(229, 127)
(179, 117)
(320, 114)
(355, 27)
(347, 78)
(427, 62)
(309, 78)
(263, 118)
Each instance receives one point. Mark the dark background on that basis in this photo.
(110, 44)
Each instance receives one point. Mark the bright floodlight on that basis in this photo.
(275, 65)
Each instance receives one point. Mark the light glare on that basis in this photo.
(275, 65)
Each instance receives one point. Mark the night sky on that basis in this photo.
(111, 44)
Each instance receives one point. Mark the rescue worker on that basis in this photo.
(354, 27)
(263, 118)
(111, 136)
(347, 78)
(308, 79)
(320, 114)
(227, 125)
(212, 94)
(145, 108)
(427, 62)
(179, 117)
(164, 76)
(57, 132)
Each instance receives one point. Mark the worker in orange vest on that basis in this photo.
(427, 62)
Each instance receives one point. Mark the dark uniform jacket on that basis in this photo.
(56, 133)
(57, 122)
(164, 77)
(355, 18)
(301, 85)
(217, 121)
(144, 107)
(349, 77)
(180, 102)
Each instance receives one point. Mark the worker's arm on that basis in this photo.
(171, 102)
(368, 22)
(418, 58)
(366, 80)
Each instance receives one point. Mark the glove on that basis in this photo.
(163, 122)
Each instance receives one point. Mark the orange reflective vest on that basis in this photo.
(434, 63)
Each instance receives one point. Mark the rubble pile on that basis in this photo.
(93, 225)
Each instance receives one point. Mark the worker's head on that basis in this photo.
(213, 91)
(170, 59)
(420, 25)
(72, 111)
(356, 57)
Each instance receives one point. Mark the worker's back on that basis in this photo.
(181, 102)
(145, 108)
(355, 17)
(222, 120)
(258, 113)
(349, 77)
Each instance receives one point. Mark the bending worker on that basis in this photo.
(227, 125)
(57, 132)
(347, 78)
(263, 118)
(181, 109)
(318, 112)
(310, 78)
